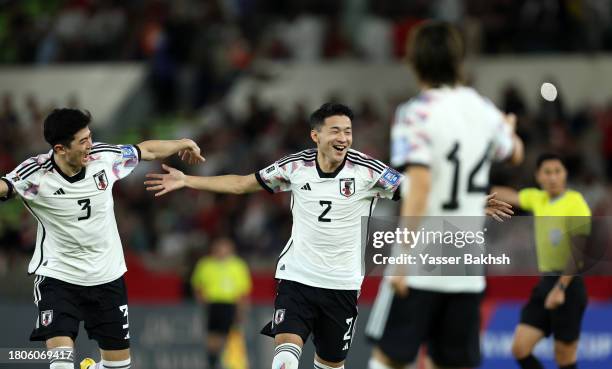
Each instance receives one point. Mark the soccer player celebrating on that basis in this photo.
(319, 269)
(444, 140)
(78, 260)
(557, 303)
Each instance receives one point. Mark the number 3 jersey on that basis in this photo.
(77, 239)
(325, 246)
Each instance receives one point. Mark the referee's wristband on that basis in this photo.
(561, 286)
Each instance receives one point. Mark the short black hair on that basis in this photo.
(62, 124)
(317, 118)
(435, 50)
(548, 156)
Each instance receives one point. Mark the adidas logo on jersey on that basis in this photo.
(282, 267)
(59, 192)
(306, 187)
(346, 346)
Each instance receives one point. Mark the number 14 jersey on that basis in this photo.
(77, 239)
(325, 246)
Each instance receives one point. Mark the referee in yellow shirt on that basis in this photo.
(557, 303)
(222, 282)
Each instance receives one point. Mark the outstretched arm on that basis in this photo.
(506, 194)
(498, 209)
(161, 149)
(175, 179)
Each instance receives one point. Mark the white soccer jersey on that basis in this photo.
(325, 245)
(77, 239)
(457, 134)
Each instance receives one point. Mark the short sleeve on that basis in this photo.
(528, 198)
(198, 275)
(580, 219)
(410, 140)
(122, 158)
(23, 180)
(277, 176)
(382, 180)
(387, 184)
(244, 278)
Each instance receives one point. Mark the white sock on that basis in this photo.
(62, 358)
(286, 356)
(375, 364)
(318, 365)
(105, 364)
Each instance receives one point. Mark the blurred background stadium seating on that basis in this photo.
(240, 77)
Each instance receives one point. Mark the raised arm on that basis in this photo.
(518, 148)
(175, 179)
(161, 149)
(506, 194)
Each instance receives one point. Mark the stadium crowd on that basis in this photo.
(225, 38)
(177, 226)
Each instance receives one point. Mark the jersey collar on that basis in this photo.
(333, 174)
(75, 178)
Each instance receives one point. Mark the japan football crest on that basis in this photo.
(347, 186)
(101, 180)
(279, 316)
(46, 317)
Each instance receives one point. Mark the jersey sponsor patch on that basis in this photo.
(127, 152)
(347, 187)
(46, 317)
(391, 177)
(101, 180)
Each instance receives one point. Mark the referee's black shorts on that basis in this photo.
(563, 322)
(221, 317)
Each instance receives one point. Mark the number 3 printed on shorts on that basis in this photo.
(124, 310)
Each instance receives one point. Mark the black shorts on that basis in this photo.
(448, 323)
(330, 315)
(220, 317)
(62, 306)
(563, 322)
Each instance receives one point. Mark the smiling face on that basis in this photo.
(552, 177)
(334, 137)
(76, 154)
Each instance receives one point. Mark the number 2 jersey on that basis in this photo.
(77, 239)
(457, 134)
(325, 246)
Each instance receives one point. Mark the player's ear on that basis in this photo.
(59, 149)
(314, 135)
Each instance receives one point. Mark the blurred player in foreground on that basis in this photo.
(557, 303)
(444, 140)
(78, 260)
(222, 282)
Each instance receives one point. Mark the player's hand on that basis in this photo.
(510, 120)
(555, 298)
(191, 154)
(497, 209)
(166, 182)
(399, 285)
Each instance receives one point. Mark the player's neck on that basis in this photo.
(327, 165)
(65, 167)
